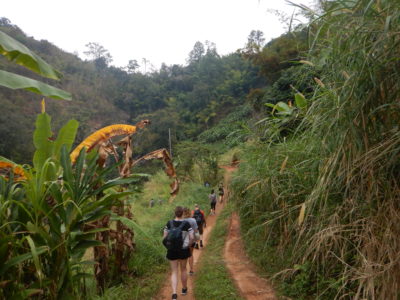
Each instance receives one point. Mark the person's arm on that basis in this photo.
(204, 218)
(165, 230)
(195, 228)
(191, 236)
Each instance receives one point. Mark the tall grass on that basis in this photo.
(343, 168)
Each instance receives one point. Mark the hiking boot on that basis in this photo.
(196, 246)
(184, 291)
(201, 244)
(191, 273)
(174, 296)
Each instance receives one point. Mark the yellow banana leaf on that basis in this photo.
(104, 134)
(6, 167)
(169, 170)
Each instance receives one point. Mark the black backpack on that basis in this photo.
(174, 239)
(198, 216)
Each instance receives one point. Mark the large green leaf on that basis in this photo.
(283, 107)
(14, 81)
(300, 100)
(20, 54)
(66, 136)
(41, 140)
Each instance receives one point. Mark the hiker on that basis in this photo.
(178, 236)
(198, 215)
(187, 214)
(213, 201)
(221, 193)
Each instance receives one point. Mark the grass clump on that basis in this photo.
(213, 280)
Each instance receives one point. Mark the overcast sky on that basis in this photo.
(158, 30)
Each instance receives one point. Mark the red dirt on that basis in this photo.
(249, 284)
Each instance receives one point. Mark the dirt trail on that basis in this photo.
(249, 284)
(166, 291)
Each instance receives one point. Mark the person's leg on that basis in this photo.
(201, 229)
(191, 261)
(174, 275)
(182, 263)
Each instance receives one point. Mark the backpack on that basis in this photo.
(198, 216)
(174, 239)
(213, 198)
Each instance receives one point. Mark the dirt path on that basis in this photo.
(249, 284)
(166, 291)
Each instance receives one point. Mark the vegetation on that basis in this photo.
(46, 217)
(319, 202)
(312, 116)
(185, 99)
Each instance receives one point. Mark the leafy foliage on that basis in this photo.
(18, 53)
(46, 218)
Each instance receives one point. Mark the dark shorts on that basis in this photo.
(213, 205)
(179, 254)
(200, 228)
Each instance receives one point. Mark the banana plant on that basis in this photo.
(48, 218)
(283, 109)
(284, 117)
(16, 52)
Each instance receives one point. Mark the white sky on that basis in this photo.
(158, 30)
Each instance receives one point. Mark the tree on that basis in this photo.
(132, 66)
(5, 22)
(197, 53)
(101, 57)
(255, 41)
(211, 49)
(145, 62)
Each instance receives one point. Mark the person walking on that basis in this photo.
(178, 236)
(221, 193)
(198, 215)
(187, 214)
(213, 201)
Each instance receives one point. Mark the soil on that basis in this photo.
(249, 284)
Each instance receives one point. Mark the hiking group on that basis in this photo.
(182, 235)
